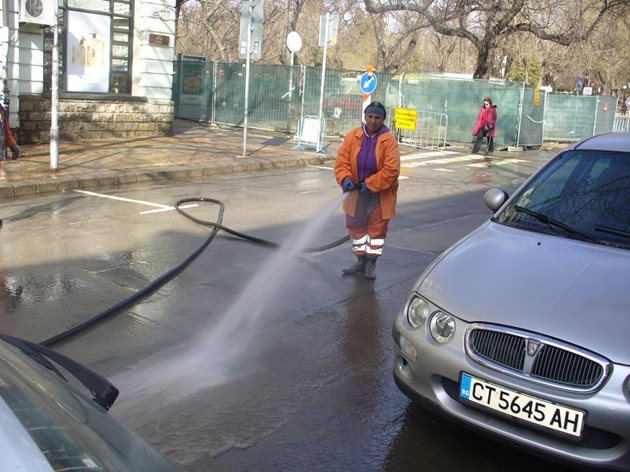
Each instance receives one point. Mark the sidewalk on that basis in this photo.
(195, 150)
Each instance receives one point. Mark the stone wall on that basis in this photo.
(97, 118)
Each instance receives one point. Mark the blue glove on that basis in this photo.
(363, 188)
(347, 185)
(16, 151)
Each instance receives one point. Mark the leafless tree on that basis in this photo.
(484, 23)
(209, 28)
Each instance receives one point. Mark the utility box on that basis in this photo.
(41, 12)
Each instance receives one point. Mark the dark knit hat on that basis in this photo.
(376, 108)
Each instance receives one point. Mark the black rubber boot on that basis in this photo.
(358, 266)
(370, 268)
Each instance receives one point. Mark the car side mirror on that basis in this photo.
(494, 198)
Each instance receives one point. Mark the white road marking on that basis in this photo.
(160, 210)
(139, 202)
(422, 155)
(495, 162)
(444, 160)
(400, 177)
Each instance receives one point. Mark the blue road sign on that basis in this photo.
(368, 82)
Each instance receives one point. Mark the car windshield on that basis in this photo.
(71, 431)
(582, 195)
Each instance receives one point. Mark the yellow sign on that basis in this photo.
(405, 118)
(537, 97)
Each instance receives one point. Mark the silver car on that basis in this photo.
(522, 328)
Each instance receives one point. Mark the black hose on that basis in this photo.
(160, 281)
(218, 226)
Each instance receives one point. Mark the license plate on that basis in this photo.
(525, 407)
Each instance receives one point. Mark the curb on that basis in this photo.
(55, 183)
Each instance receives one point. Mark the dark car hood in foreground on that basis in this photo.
(571, 290)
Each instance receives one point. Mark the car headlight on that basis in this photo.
(418, 311)
(442, 327)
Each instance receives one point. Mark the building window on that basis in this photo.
(95, 44)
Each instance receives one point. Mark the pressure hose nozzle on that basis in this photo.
(348, 185)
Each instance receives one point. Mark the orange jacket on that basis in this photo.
(384, 181)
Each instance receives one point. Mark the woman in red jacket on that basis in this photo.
(485, 125)
(367, 166)
(6, 139)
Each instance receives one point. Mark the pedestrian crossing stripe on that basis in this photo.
(443, 160)
(422, 155)
(453, 159)
(496, 161)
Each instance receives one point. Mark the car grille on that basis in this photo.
(536, 357)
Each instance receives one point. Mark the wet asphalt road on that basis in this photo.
(251, 359)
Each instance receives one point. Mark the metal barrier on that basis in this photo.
(430, 132)
(311, 133)
(621, 124)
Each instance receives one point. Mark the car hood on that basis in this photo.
(570, 290)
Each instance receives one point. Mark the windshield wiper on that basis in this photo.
(103, 392)
(551, 222)
(608, 229)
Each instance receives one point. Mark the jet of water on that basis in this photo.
(209, 359)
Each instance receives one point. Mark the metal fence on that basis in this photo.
(280, 97)
(621, 124)
(430, 133)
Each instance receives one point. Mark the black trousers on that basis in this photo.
(479, 140)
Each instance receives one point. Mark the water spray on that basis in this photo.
(169, 275)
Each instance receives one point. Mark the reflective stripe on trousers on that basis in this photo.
(366, 245)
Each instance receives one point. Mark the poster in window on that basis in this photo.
(88, 49)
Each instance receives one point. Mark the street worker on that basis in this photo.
(6, 139)
(485, 126)
(367, 167)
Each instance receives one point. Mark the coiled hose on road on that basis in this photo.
(164, 278)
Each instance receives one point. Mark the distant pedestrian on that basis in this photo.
(485, 127)
(7, 141)
(367, 166)
(624, 107)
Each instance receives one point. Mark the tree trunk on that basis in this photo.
(483, 55)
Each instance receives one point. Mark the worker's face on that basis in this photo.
(373, 122)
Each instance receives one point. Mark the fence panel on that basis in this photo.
(280, 96)
(532, 118)
(569, 117)
(604, 114)
(460, 99)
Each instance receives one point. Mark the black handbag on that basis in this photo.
(485, 129)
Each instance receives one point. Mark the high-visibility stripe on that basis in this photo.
(360, 248)
(374, 251)
(377, 242)
(362, 240)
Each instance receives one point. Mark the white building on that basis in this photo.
(115, 67)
